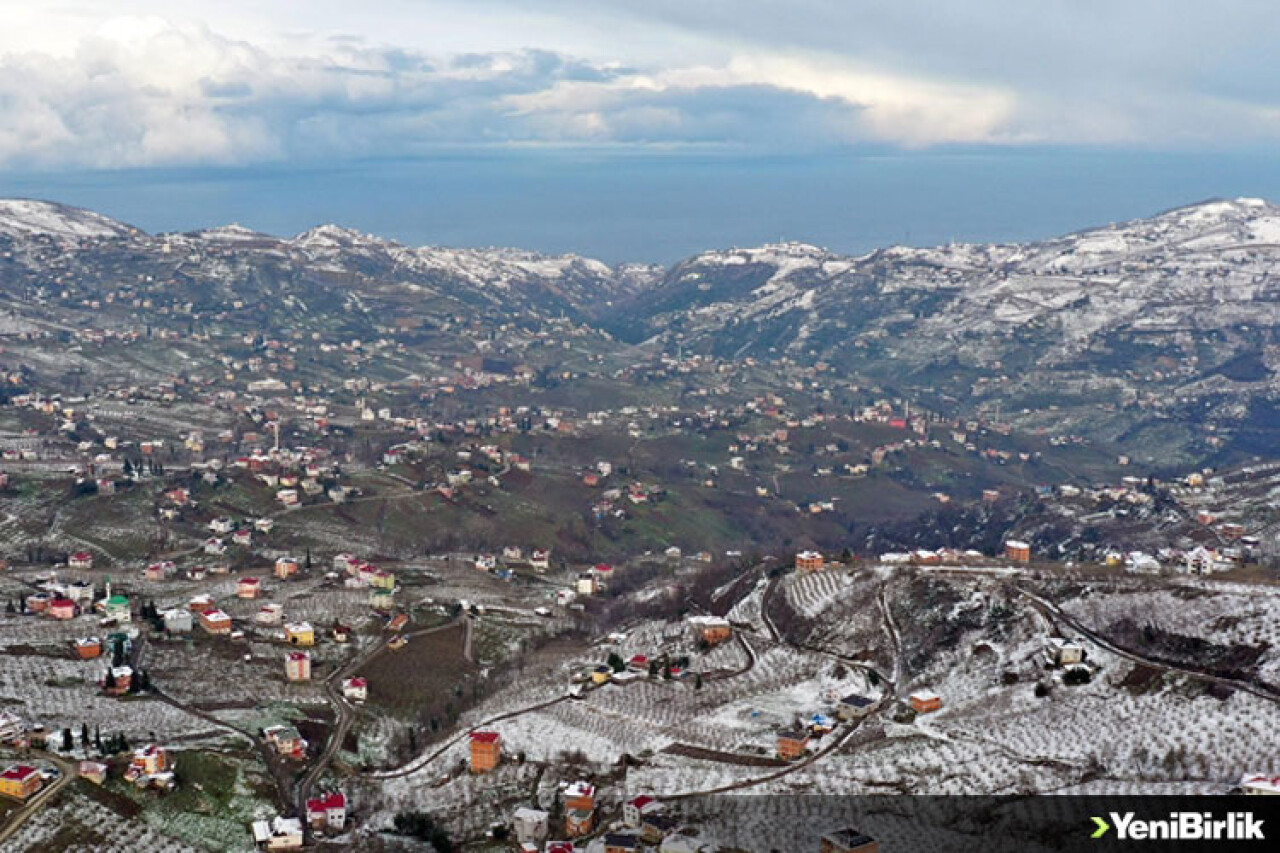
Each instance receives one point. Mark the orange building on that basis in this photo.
(20, 781)
(215, 621)
(809, 561)
(486, 751)
(792, 744)
(88, 648)
(712, 629)
(579, 809)
(580, 795)
(1019, 552)
(147, 761)
(924, 702)
(578, 822)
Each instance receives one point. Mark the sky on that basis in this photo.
(640, 131)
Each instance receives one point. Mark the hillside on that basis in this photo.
(1157, 335)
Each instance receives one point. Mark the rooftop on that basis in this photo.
(18, 772)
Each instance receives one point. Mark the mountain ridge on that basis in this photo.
(40, 216)
(1163, 329)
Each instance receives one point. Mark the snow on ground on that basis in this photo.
(61, 693)
(671, 774)
(218, 674)
(601, 734)
(753, 822)
(812, 593)
(24, 217)
(748, 609)
(1244, 617)
(32, 630)
(1166, 734)
(455, 802)
(1265, 230)
(97, 829)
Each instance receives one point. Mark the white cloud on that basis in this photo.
(325, 79)
(144, 91)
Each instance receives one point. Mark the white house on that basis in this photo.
(356, 689)
(271, 613)
(529, 825)
(637, 808)
(1064, 652)
(281, 833)
(328, 811)
(178, 621)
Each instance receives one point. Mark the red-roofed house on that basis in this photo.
(637, 808)
(62, 608)
(215, 621)
(20, 781)
(1259, 783)
(80, 560)
(356, 689)
(486, 751)
(327, 811)
(297, 666)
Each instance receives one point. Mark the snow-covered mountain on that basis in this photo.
(1171, 319)
(233, 260)
(27, 218)
(1165, 329)
(1188, 283)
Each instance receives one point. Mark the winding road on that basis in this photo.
(346, 713)
(1055, 613)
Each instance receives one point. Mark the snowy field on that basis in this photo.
(1230, 615)
(77, 824)
(62, 693)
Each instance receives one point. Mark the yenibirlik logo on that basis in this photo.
(1181, 826)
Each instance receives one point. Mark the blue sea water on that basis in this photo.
(665, 205)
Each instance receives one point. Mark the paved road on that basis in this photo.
(419, 763)
(895, 639)
(764, 610)
(346, 713)
(279, 772)
(1056, 613)
(837, 739)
